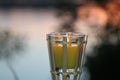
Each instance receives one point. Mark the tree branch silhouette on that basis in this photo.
(10, 45)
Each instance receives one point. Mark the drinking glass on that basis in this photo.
(66, 54)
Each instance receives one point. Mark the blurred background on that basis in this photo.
(31, 19)
(25, 23)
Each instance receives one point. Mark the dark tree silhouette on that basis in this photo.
(66, 12)
(10, 45)
(106, 65)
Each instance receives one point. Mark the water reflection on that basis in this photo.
(35, 24)
(10, 45)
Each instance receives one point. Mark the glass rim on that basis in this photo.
(66, 34)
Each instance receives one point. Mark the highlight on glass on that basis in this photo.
(66, 54)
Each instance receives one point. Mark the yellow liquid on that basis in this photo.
(72, 51)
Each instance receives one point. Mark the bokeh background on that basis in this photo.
(25, 23)
(32, 19)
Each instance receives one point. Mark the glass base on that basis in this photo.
(70, 74)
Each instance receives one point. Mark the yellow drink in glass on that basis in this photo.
(72, 51)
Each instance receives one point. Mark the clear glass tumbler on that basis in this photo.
(66, 54)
